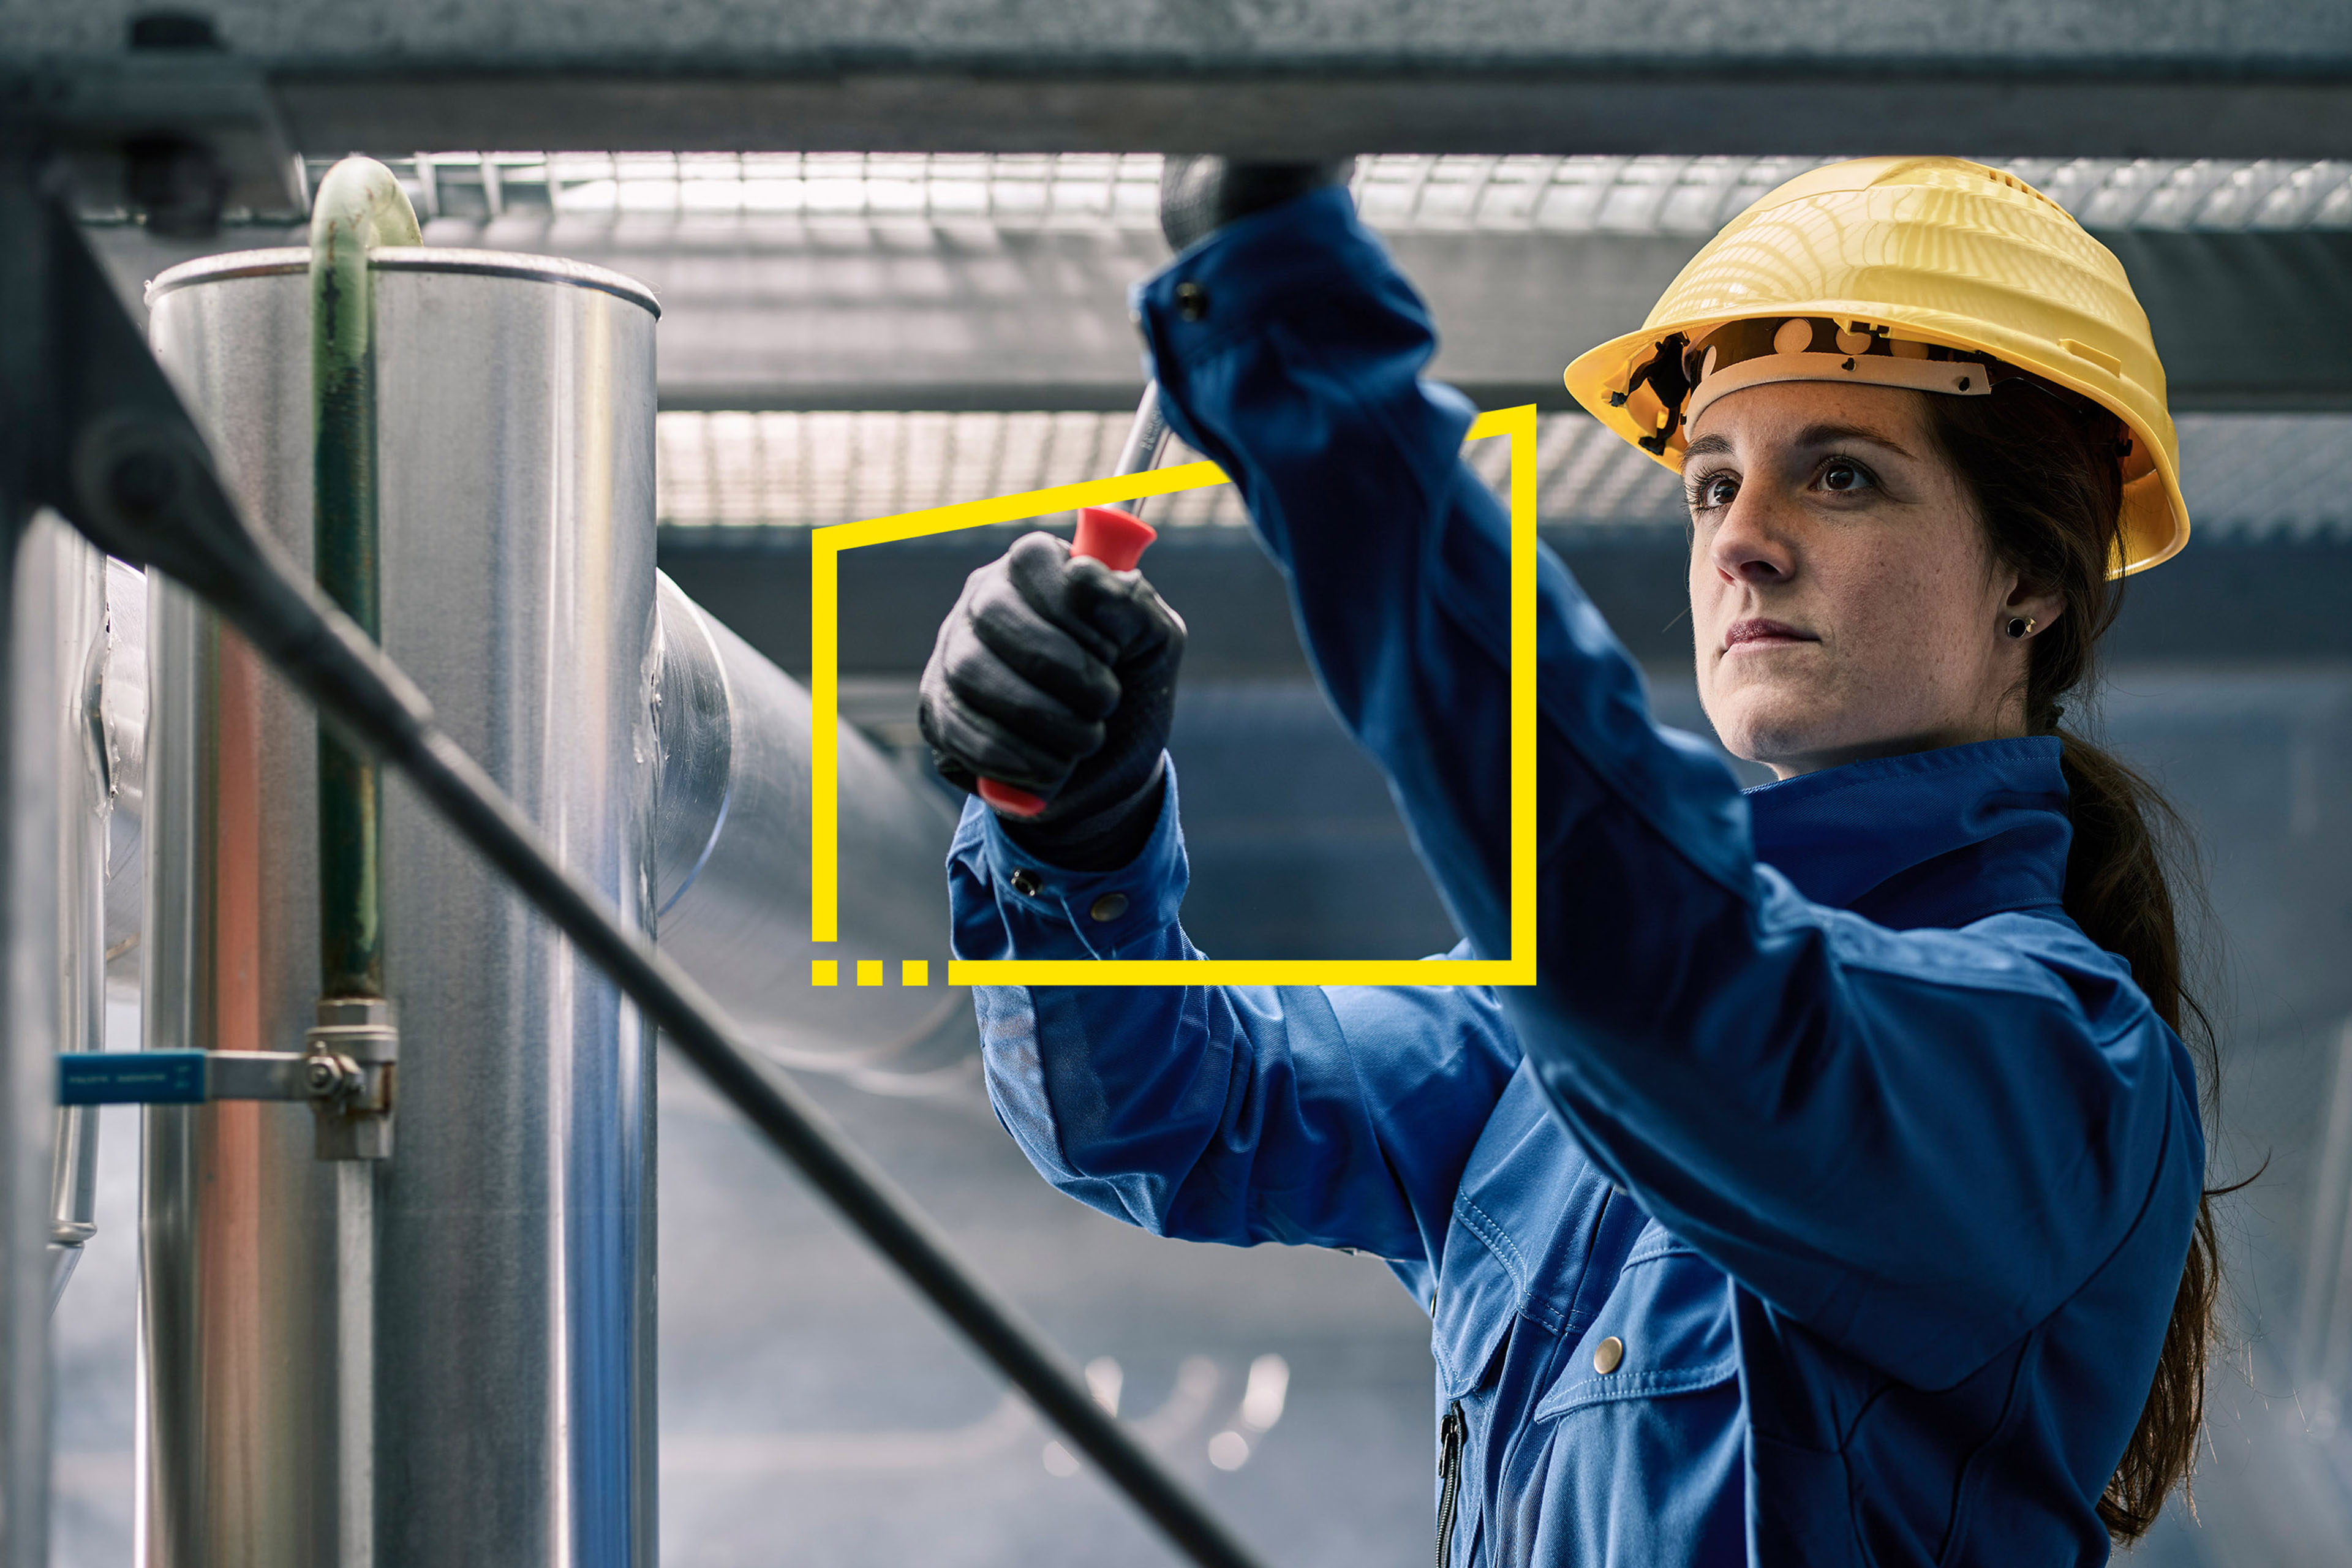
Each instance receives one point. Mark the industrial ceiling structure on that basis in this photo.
(1595, 145)
(812, 300)
(976, 282)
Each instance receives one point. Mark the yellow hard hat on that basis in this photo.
(1932, 273)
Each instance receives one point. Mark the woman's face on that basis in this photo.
(1844, 601)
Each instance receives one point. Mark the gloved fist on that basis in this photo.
(1057, 675)
(1199, 195)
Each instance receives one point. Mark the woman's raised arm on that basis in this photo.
(1916, 1144)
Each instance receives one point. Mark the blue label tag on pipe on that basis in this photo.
(130, 1078)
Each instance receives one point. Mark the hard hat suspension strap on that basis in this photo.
(1746, 353)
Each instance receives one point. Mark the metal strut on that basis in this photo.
(119, 457)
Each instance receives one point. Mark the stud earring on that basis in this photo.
(2021, 625)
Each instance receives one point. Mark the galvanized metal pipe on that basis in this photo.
(39, 671)
(508, 1293)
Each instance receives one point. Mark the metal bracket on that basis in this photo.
(178, 133)
(354, 1052)
(345, 1076)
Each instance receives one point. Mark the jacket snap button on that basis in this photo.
(1025, 883)
(1110, 907)
(1608, 1355)
(1192, 301)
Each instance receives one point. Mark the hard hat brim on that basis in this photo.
(2155, 524)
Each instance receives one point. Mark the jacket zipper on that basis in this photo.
(1449, 1480)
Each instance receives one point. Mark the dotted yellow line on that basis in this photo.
(870, 971)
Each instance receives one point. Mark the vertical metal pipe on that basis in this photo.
(27, 1100)
(29, 1043)
(360, 206)
(65, 604)
(509, 1290)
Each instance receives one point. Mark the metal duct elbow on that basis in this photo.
(731, 855)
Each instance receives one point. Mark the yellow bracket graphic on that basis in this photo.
(825, 793)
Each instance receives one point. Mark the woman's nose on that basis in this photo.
(1749, 546)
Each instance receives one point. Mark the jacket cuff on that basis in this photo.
(1230, 284)
(1043, 906)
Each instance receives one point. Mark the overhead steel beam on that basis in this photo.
(1332, 109)
(1053, 34)
(2160, 77)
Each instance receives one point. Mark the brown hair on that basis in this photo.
(2044, 467)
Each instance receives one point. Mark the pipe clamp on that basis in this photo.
(350, 1055)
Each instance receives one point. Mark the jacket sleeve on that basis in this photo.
(1918, 1143)
(1338, 1117)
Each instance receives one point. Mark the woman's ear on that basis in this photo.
(2034, 604)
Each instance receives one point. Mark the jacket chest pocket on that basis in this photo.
(1537, 1230)
(1636, 1451)
(1664, 1330)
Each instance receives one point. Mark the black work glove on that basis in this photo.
(1199, 195)
(1057, 675)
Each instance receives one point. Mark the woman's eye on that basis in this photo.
(1842, 476)
(1713, 491)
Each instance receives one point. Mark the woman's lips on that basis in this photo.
(1758, 633)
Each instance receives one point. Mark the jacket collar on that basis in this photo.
(1935, 838)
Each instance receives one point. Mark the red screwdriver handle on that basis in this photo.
(1117, 540)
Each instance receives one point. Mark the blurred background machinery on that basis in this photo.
(889, 248)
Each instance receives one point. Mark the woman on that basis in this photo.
(1835, 1195)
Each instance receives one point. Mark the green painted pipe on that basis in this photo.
(360, 206)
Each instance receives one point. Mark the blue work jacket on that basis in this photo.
(1825, 1198)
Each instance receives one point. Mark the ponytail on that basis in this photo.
(2044, 470)
(2117, 891)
